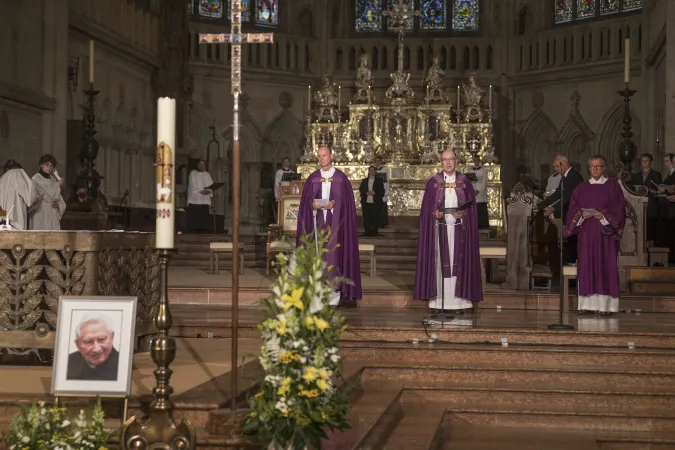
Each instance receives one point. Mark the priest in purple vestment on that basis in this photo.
(448, 271)
(596, 214)
(328, 202)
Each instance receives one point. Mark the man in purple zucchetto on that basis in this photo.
(328, 202)
(448, 271)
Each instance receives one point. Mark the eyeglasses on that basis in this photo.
(595, 167)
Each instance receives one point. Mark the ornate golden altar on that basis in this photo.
(408, 134)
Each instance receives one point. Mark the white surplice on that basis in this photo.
(198, 181)
(17, 194)
(598, 302)
(450, 302)
(44, 216)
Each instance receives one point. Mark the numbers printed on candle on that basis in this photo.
(164, 213)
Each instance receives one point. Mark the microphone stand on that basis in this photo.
(560, 325)
(443, 316)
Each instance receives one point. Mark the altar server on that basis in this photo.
(47, 213)
(328, 201)
(448, 272)
(199, 200)
(596, 214)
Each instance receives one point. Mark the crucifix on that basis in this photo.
(236, 39)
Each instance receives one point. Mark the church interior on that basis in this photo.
(510, 86)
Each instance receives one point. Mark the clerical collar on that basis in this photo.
(46, 175)
(567, 171)
(600, 180)
(286, 170)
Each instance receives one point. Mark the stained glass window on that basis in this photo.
(433, 14)
(629, 5)
(585, 9)
(465, 15)
(411, 23)
(563, 11)
(609, 6)
(368, 15)
(211, 8)
(245, 11)
(267, 13)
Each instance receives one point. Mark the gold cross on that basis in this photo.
(236, 39)
(450, 185)
(329, 180)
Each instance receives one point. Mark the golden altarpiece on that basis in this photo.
(407, 133)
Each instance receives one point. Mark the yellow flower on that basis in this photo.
(289, 356)
(286, 413)
(258, 395)
(285, 387)
(309, 394)
(323, 373)
(310, 374)
(324, 417)
(309, 322)
(281, 329)
(320, 323)
(321, 384)
(253, 414)
(294, 300)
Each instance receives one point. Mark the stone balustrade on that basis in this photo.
(132, 23)
(582, 43)
(290, 54)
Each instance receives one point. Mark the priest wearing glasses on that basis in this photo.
(596, 215)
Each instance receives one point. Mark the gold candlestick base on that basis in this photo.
(159, 430)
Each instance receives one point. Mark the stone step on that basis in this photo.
(463, 437)
(635, 440)
(528, 394)
(418, 429)
(559, 417)
(442, 354)
(372, 416)
(492, 375)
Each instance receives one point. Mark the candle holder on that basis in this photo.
(160, 429)
(627, 149)
(88, 175)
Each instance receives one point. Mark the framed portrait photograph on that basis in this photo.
(289, 208)
(94, 347)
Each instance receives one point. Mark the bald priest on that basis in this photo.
(448, 271)
(327, 203)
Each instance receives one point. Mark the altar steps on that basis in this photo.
(651, 280)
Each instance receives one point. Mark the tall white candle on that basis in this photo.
(490, 98)
(626, 52)
(165, 171)
(427, 95)
(309, 98)
(339, 100)
(369, 97)
(91, 62)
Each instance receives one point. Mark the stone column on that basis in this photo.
(55, 78)
(669, 116)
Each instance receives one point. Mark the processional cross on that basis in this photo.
(236, 39)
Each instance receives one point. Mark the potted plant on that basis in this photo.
(47, 427)
(302, 394)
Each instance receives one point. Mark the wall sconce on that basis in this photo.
(73, 69)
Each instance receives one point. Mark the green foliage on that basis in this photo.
(302, 393)
(44, 427)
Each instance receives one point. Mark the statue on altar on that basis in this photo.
(326, 99)
(364, 80)
(400, 88)
(434, 81)
(472, 94)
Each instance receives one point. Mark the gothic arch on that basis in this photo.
(538, 141)
(282, 137)
(306, 22)
(609, 132)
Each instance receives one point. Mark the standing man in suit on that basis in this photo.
(372, 195)
(650, 179)
(666, 209)
(556, 206)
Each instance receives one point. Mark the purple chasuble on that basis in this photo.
(598, 261)
(343, 243)
(466, 265)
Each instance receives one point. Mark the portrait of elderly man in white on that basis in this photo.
(95, 359)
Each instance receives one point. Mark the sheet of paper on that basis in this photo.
(591, 211)
(321, 201)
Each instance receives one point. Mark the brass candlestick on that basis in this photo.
(159, 430)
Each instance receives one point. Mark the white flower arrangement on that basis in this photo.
(47, 427)
(299, 398)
